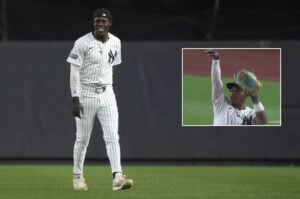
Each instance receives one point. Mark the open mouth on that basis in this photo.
(100, 30)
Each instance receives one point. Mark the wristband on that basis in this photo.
(258, 107)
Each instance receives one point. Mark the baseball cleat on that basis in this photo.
(122, 183)
(79, 183)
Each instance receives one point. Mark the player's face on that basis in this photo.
(238, 95)
(101, 26)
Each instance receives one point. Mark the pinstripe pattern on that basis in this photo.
(224, 112)
(96, 63)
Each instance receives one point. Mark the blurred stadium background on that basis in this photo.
(37, 125)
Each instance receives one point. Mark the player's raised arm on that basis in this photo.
(217, 85)
(261, 117)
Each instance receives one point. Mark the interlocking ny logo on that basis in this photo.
(111, 56)
(247, 121)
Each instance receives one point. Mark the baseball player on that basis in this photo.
(233, 111)
(91, 76)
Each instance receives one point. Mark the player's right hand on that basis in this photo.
(77, 107)
(212, 53)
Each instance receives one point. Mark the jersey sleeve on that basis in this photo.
(217, 84)
(119, 55)
(75, 80)
(77, 54)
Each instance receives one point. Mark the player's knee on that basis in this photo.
(109, 140)
(82, 142)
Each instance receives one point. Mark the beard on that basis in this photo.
(99, 33)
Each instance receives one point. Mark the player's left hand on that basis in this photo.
(77, 107)
(254, 96)
(253, 93)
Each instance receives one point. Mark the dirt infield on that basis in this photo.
(265, 63)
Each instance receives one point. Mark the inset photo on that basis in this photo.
(231, 87)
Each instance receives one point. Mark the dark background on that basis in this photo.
(153, 20)
(37, 36)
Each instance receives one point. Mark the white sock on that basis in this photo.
(118, 175)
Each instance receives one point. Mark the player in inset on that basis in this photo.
(233, 111)
(92, 59)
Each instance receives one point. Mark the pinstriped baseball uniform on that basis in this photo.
(95, 61)
(224, 112)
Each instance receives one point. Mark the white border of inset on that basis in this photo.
(202, 125)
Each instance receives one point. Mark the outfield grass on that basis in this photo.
(151, 182)
(197, 105)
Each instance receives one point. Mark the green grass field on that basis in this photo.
(197, 105)
(175, 182)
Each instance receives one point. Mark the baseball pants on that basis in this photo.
(104, 107)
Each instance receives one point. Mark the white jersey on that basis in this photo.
(224, 112)
(96, 59)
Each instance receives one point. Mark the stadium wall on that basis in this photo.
(36, 119)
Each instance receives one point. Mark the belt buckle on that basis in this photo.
(100, 90)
